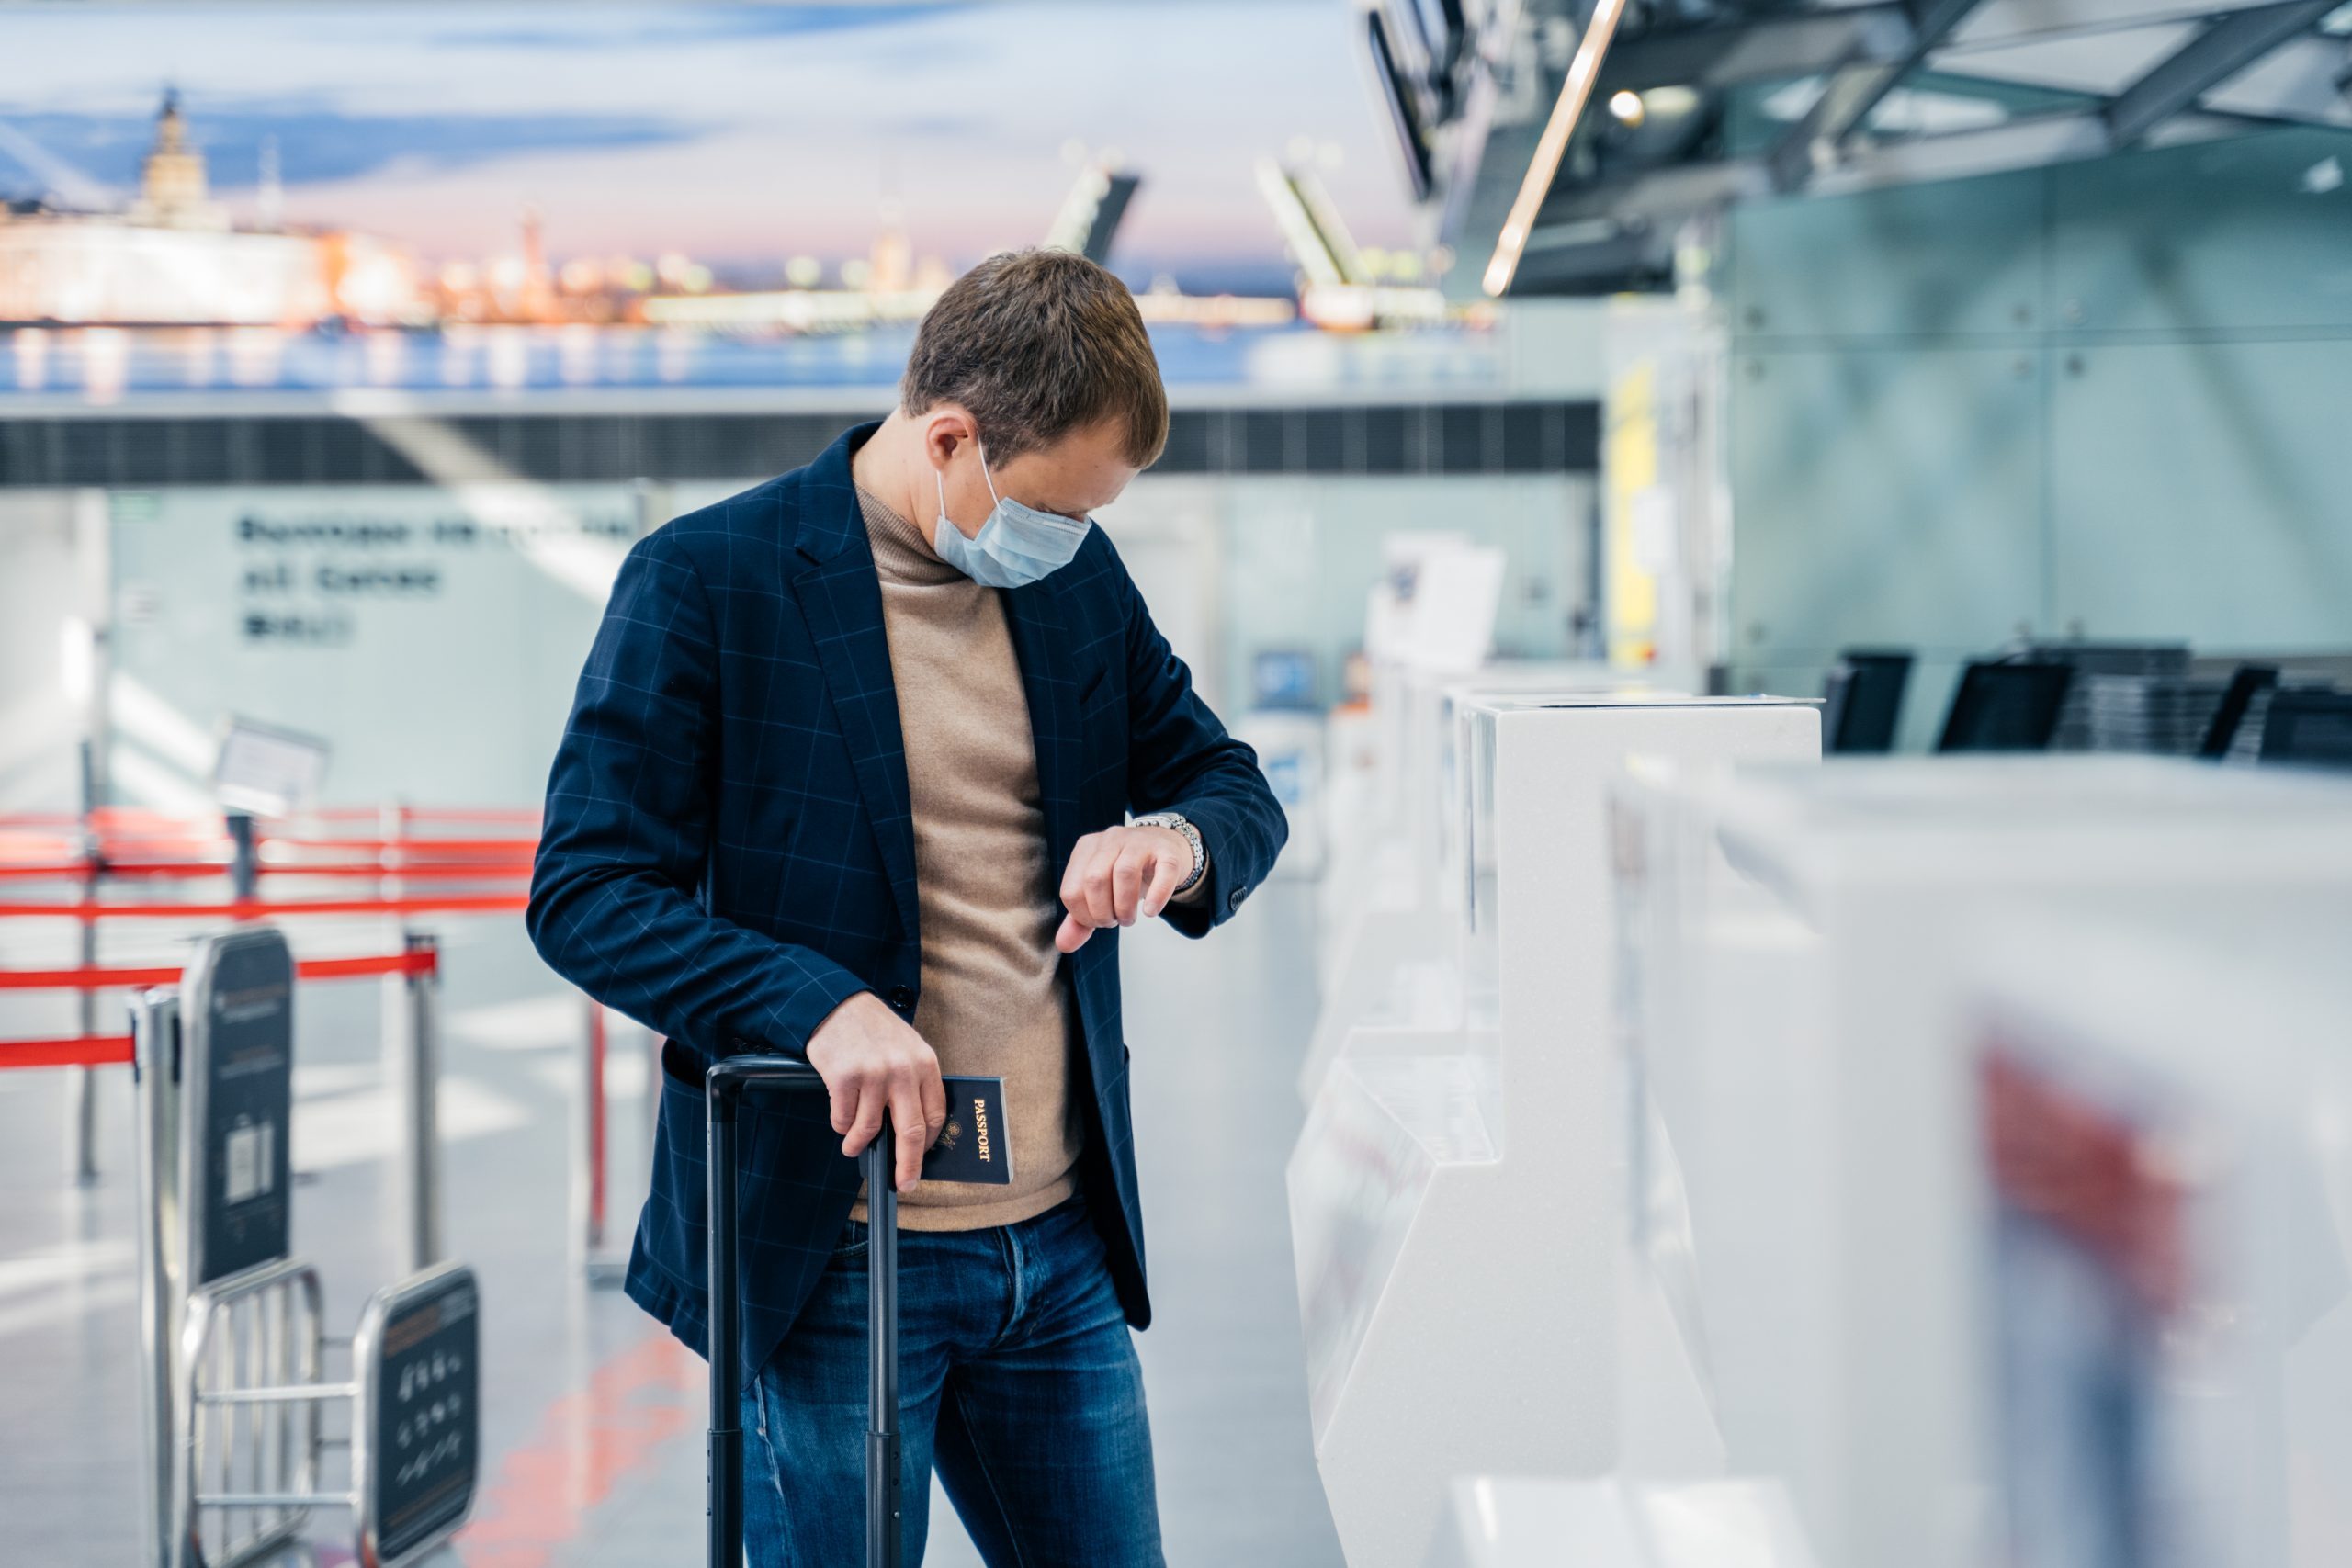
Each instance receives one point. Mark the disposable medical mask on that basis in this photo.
(1017, 545)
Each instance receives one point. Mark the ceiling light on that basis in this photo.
(1575, 92)
(1626, 106)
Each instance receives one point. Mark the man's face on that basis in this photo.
(1076, 477)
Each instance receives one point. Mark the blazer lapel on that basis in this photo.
(1039, 623)
(842, 599)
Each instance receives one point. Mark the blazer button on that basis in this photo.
(901, 999)
(1233, 899)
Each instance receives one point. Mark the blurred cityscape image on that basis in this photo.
(228, 240)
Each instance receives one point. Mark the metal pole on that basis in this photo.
(93, 558)
(82, 1084)
(418, 1078)
(154, 1019)
(244, 866)
(882, 1502)
(591, 1152)
(725, 1455)
(399, 1036)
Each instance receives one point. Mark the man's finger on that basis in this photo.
(868, 1120)
(1082, 855)
(911, 1133)
(1126, 883)
(1072, 934)
(1095, 894)
(935, 1104)
(1073, 889)
(1165, 874)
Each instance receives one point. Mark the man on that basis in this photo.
(848, 777)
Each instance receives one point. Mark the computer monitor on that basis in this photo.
(1863, 700)
(2006, 706)
(2239, 696)
(2314, 729)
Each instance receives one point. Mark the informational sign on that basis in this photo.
(363, 616)
(237, 1101)
(420, 1413)
(264, 769)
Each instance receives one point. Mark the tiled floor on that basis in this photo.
(592, 1419)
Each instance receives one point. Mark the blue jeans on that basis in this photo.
(1017, 1377)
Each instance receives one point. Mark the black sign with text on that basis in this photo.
(426, 1438)
(240, 1071)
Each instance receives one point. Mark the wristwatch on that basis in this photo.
(1192, 837)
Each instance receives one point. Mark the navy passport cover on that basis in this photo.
(972, 1146)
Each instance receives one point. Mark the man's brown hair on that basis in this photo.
(1037, 344)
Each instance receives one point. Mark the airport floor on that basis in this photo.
(592, 1417)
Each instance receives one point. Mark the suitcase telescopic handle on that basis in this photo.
(726, 1085)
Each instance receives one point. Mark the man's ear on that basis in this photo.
(946, 427)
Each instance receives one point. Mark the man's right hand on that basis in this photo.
(871, 1060)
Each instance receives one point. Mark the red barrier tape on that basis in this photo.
(98, 977)
(81, 1051)
(485, 870)
(257, 908)
(105, 813)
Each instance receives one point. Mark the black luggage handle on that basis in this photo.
(725, 1084)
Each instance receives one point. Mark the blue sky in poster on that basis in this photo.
(739, 134)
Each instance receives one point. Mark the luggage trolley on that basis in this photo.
(232, 1335)
(725, 1085)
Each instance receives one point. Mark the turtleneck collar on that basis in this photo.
(900, 552)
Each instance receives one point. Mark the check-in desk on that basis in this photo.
(1387, 953)
(1799, 1127)
(2162, 1177)
(1455, 1207)
(1528, 1522)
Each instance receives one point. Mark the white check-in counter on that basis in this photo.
(1528, 1522)
(1456, 1203)
(1800, 1130)
(1387, 952)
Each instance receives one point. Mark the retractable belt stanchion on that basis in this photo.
(231, 1327)
(591, 1151)
(82, 1089)
(416, 1051)
(726, 1084)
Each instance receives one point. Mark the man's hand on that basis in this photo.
(1118, 875)
(873, 1061)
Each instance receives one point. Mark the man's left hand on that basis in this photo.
(1118, 875)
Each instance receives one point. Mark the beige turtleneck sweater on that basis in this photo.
(994, 1003)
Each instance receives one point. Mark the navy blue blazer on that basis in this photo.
(729, 852)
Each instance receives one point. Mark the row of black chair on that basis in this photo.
(2015, 702)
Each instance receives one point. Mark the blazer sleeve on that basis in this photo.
(616, 904)
(1181, 759)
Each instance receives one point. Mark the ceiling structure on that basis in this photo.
(1564, 144)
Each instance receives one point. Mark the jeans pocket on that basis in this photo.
(850, 1245)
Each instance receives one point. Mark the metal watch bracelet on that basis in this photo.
(1192, 837)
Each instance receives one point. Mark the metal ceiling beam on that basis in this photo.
(1859, 86)
(1603, 262)
(1579, 233)
(2212, 57)
(2032, 143)
(1660, 194)
(1805, 43)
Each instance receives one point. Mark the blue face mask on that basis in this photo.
(1017, 545)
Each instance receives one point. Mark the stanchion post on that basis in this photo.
(416, 1077)
(591, 1150)
(154, 1019)
(82, 1083)
(245, 863)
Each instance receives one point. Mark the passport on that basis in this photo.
(976, 1144)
